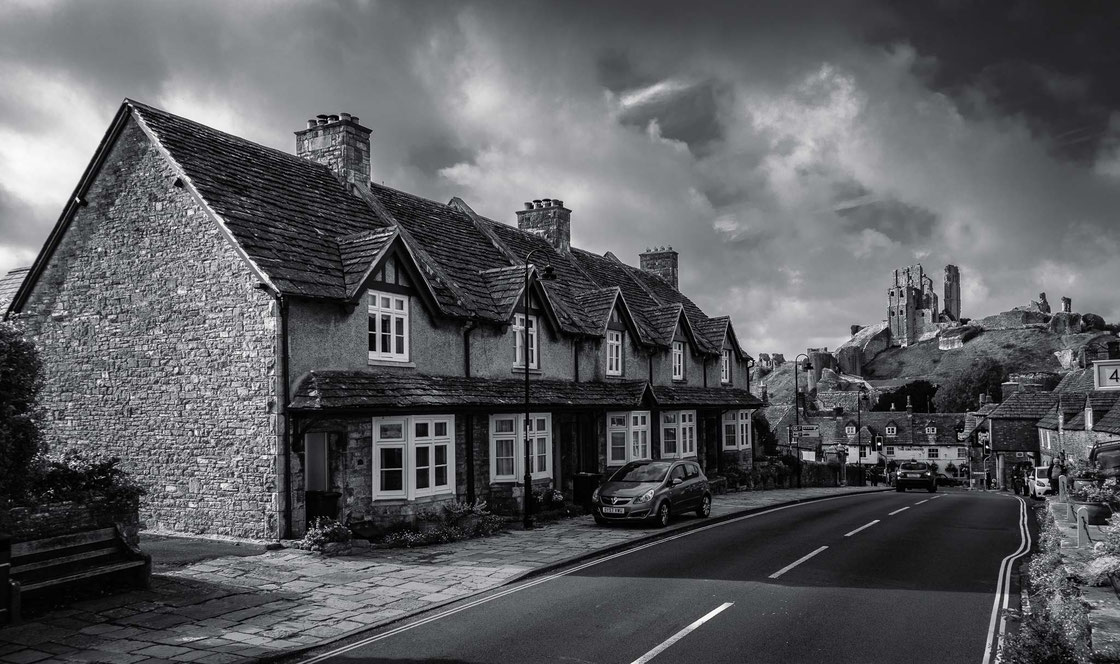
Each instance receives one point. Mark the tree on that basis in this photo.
(21, 379)
(764, 438)
(961, 393)
(919, 392)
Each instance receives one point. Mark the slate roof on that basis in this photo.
(597, 305)
(358, 251)
(1072, 404)
(1025, 406)
(975, 419)
(9, 284)
(909, 430)
(1080, 380)
(378, 391)
(681, 396)
(1110, 423)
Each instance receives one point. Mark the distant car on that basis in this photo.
(915, 475)
(945, 479)
(1039, 481)
(652, 491)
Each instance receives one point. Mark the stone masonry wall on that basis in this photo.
(158, 349)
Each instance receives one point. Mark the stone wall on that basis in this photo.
(54, 519)
(158, 348)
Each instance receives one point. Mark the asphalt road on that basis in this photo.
(917, 586)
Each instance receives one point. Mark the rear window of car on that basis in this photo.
(914, 466)
(1041, 473)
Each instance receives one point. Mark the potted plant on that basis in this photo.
(1096, 499)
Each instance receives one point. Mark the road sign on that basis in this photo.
(1106, 374)
(806, 430)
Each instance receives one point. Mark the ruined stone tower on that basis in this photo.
(953, 292)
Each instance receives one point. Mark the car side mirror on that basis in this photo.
(675, 481)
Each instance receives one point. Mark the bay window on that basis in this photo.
(507, 447)
(678, 434)
(678, 360)
(388, 327)
(614, 353)
(518, 328)
(627, 437)
(737, 433)
(413, 456)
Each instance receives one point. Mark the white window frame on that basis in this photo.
(396, 310)
(889, 450)
(682, 423)
(1088, 418)
(738, 434)
(541, 437)
(636, 435)
(931, 430)
(850, 430)
(518, 328)
(408, 444)
(614, 353)
(725, 367)
(892, 431)
(962, 453)
(678, 360)
(933, 453)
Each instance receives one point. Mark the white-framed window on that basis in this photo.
(519, 341)
(678, 360)
(413, 456)
(507, 446)
(890, 450)
(678, 434)
(725, 367)
(737, 433)
(862, 451)
(614, 353)
(627, 437)
(934, 453)
(850, 430)
(1088, 419)
(892, 431)
(962, 453)
(931, 430)
(388, 327)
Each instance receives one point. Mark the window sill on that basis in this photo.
(392, 363)
(679, 381)
(521, 371)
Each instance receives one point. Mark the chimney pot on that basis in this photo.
(547, 202)
(528, 205)
(311, 123)
(344, 116)
(537, 203)
(557, 202)
(332, 118)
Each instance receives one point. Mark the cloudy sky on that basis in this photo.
(793, 153)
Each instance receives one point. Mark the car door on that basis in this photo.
(695, 485)
(677, 490)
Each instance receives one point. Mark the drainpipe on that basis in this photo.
(705, 371)
(651, 367)
(575, 359)
(469, 426)
(284, 437)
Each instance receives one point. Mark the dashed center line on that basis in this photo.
(936, 497)
(796, 563)
(922, 501)
(897, 511)
(866, 525)
(681, 634)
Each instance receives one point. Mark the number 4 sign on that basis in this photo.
(1106, 374)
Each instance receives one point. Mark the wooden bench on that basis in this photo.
(66, 559)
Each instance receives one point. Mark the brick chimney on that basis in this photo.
(661, 261)
(548, 218)
(339, 142)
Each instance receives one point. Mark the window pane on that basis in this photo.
(399, 350)
(394, 431)
(392, 468)
(373, 333)
(441, 455)
(441, 476)
(399, 305)
(441, 429)
(669, 418)
(541, 424)
(618, 445)
(504, 425)
(729, 435)
(423, 460)
(618, 421)
(503, 453)
(384, 302)
(421, 429)
(669, 440)
(386, 333)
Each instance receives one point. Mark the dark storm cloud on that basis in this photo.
(690, 114)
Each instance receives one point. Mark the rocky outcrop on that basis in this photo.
(1010, 320)
(1066, 323)
(871, 341)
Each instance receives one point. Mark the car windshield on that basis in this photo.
(1042, 473)
(914, 466)
(642, 471)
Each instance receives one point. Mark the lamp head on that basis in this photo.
(548, 273)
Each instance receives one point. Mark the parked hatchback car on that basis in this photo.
(652, 491)
(1039, 481)
(915, 475)
(945, 479)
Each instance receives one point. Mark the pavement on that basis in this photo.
(248, 604)
(871, 578)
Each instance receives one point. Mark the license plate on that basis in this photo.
(614, 510)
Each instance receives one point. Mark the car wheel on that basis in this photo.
(600, 520)
(705, 509)
(662, 515)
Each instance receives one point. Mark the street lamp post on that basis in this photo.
(859, 433)
(527, 520)
(796, 406)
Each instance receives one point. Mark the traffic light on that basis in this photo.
(878, 443)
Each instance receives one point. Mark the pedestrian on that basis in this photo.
(1054, 473)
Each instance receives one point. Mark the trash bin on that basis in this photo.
(322, 503)
(583, 485)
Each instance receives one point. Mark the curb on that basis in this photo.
(552, 567)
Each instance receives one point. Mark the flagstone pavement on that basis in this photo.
(238, 609)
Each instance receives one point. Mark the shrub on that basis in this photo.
(21, 379)
(549, 499)
(324, 530)
(74, 477)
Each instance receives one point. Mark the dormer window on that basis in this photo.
(892, 430)
(388, 327)
(518, 328)
(614, 353)
(678, 360)
(850, 430)
(931, 430)
(725, 367)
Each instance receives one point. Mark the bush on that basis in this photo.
(443, 526)
(323, 531)
(21, 379)
(74, 477)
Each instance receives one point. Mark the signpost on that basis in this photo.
(1106, 374)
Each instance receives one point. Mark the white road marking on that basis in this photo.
(796, 563)
(897, 511)
(551, 577)
(923, 501)
(867, 525)
(681, 634)
(1003, 587)
(936, 497)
